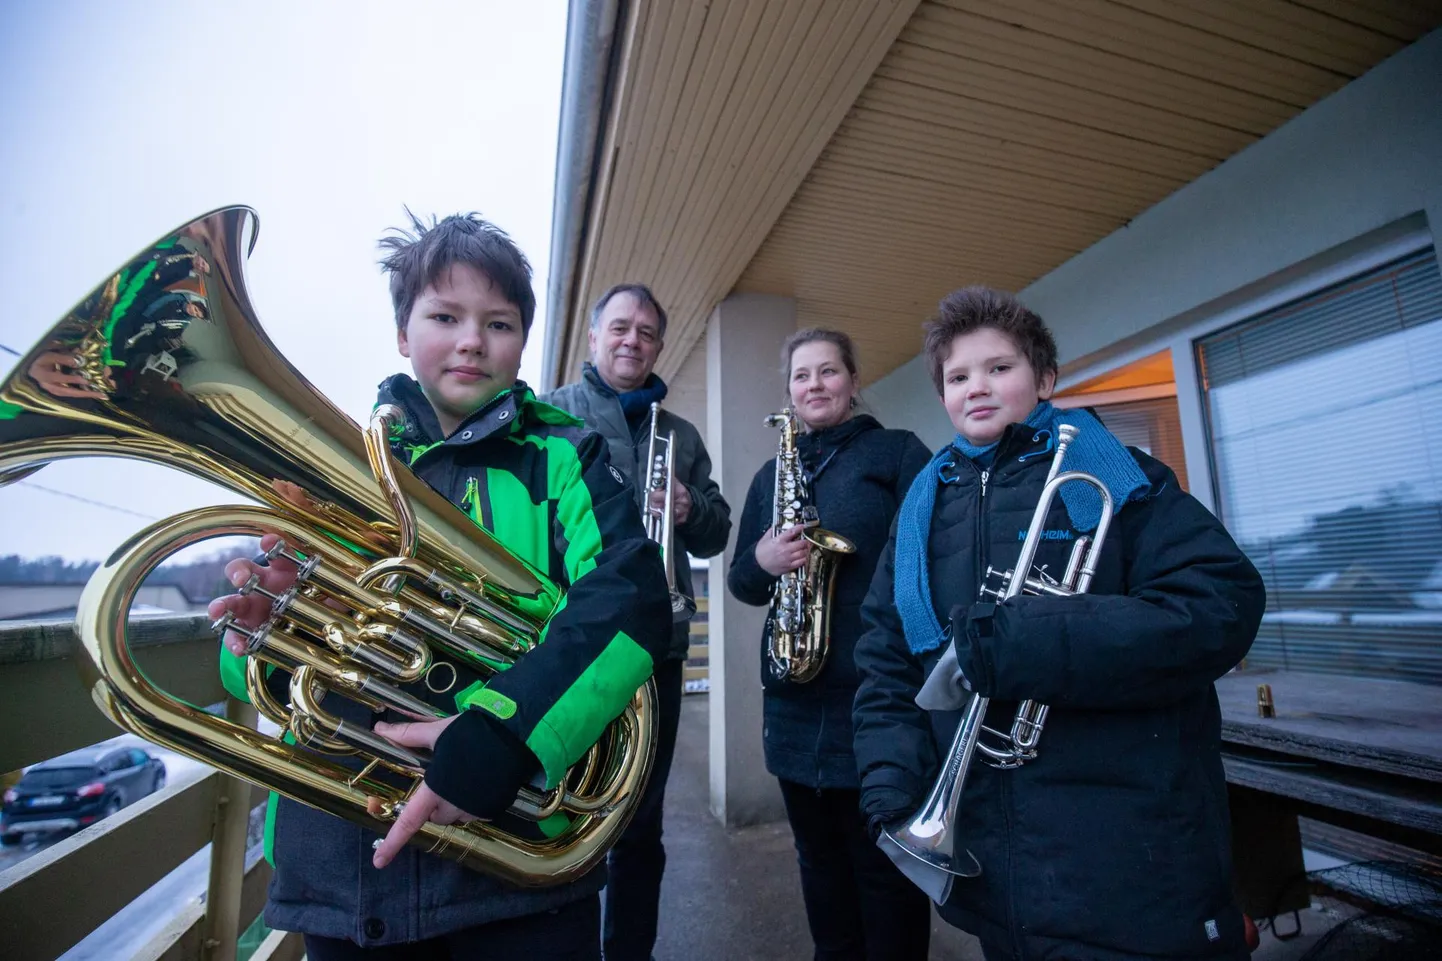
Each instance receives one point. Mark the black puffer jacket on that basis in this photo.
(1114, 843)
(864, 472)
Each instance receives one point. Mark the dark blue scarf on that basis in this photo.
(1095, 451)
(634, 403)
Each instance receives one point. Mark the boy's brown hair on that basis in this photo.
(972, 308)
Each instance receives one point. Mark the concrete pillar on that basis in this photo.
(743, 344)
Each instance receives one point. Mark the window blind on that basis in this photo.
(1325, 423)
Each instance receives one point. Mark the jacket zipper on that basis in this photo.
(472, 496)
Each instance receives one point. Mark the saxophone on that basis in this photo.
(396, 587)
(801, 604)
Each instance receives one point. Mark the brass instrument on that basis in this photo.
(660, 523)
(801, 602)
(395, 585)
(929, 835)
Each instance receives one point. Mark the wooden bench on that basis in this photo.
(1360, 753)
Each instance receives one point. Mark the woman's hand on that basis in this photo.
(783, 553)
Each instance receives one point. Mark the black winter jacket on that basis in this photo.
(1115, 842)
(866, 472)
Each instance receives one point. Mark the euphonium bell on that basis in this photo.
(398, 591)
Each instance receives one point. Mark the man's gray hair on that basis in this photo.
(643, 295)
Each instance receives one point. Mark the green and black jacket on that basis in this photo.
(544, 486)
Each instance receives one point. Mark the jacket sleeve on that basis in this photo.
(895, 752)
(750, 584)
(709, 524)
(1192, 610)
(612, 625)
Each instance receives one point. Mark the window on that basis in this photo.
(1325, 422)
(1151, 426)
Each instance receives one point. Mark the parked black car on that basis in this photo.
(78, 789)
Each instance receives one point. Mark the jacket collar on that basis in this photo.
(504, 414)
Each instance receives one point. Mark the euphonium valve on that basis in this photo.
(399, 601)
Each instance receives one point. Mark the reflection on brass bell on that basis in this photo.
(1265, 706)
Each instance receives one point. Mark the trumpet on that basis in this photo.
(395, 587)
(929, 835)
(801, 604)
(660, 523)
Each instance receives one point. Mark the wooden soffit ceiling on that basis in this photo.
(998, 138)
(721, 109)
(865, 157)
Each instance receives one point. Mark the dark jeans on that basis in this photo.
(567, 933)
(637, 860)
(858, 904)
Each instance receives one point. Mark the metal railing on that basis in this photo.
(54, 899)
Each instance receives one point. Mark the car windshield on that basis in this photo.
(52, 777)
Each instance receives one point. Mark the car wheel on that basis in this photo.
(112, 806)
(159, 781)
(10, 840)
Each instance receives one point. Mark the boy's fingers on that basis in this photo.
(417, 811)
(410, 733)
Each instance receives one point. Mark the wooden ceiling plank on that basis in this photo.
(1046, 98)
(924, 105)
(728, 254)
(1281, 28)
(899, 134)
(1107, 26)
(647, 149)
(1047, 184)
(767, 143)
(638, 56)
(1405, 20)
(758, 72)
(1009, 46)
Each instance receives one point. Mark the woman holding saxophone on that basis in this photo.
(840, 476)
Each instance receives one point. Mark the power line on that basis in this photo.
(86, 500)
(10, 350)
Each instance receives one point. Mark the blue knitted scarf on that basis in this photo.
(1095, 450)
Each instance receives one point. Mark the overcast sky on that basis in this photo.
(121, 121)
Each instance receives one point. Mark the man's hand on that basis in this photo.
(424, 805)
(680, 502)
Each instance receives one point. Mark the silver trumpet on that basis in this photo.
(660, 522)
(929, 835)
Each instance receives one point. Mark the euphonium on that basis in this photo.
(660, 525)
(801, 602)
(165, 362)
(930, 834)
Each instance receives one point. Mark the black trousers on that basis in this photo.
(566, 934)
(858, 905)
(638, 860)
